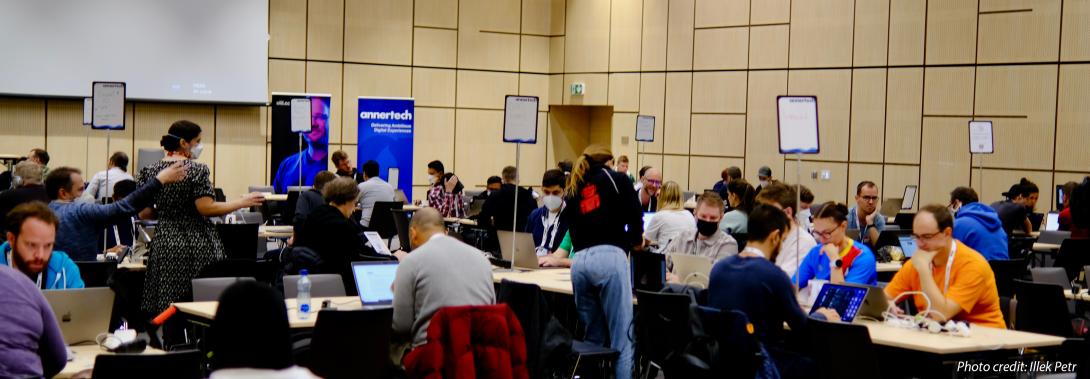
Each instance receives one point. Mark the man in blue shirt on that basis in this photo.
(728, 174)
(545, 223)
(313, 157)
(864, 217)
(978, 225)
(31, 231)
(837, 258)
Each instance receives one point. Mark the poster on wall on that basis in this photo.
(386, 136)
(295, 163)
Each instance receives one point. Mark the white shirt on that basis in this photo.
(790, 253)
(372, 190)
(665, 225)
(99, 187)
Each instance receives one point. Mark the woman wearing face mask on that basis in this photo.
(740, 196)
(185, 241)
(836, 258)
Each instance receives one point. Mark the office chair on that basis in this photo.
(1053, 275)
(239, 240)
(172, 365)
(1073, 256)
(209, 289)
(830, 342)
(96, 274)
(1005, 271)
(352, 344)
(540, 327)
(401, 223)
(321, 285)
(723, 346)
(1041, 308)
(662, 327)
(381, 219)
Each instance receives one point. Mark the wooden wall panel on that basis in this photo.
(436, 13)
(676, 168)
(536, 85)
(1071, 130)
(480, 134)
(535, 54)
(821, 33)
(768, 46)
(532, 162)
(1075, 37)
(323, 77)
(537, 16)
(1028, 91)
(1028, 36)
(22, 125)
(679, 87)
(679, 45)
(945, 163)
(872, 23)
(484, 39)
(434, 129)
(762, 143)
(949, 91)
(951, 32)
(569, 132)
(712, 13)
(896, 178)
(435, 47)
(719, 92)
(72, 144)
(153, 119)
(704, 171)
(653, 49)
(719, 135)
(653, 103)
(625, 35)
(770, 12)
(287, 76)
(483, 89)
(556, 55)
(857, 173)
(624, 92)
(287, 29)
(998, 181)
(624, 137)
(596, 85)
(867, 115)
(833, 89)
(239, 138)
(824, 190)
(370, 80)
(653, 160)
(587, 37)
(325, 30)
(904, 107)
(721, 49)
(379, 31)
(433, 87)
(907, 19)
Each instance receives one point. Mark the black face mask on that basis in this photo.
(706, 228)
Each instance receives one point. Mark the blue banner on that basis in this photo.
(386, 136)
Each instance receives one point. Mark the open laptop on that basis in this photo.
(908, 245)
(875, 304)
(1052, 222)
(524, 257)
(81, 313)
(374, 281)
(846, 300)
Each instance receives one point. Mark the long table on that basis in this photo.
(205, 311)
(85, 356)
(1082, 296)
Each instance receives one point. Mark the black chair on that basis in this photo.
(352, 344)
(1019, 246)
(401, 223)
(263, 271)
(239, 240)
(1041, 308)
(548, 344)
(1074, 256)
(172, 365)
(830, 342)
(382, 220)
(96, 274)
(1006, 271)
(662, 327)
(724, 346)
(287, 208)
(741, 238)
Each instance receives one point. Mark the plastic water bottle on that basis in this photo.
(303, 298)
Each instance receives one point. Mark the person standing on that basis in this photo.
(604, 220)
(185, 240)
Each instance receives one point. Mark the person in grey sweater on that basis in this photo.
(81, 223)
(33, 345)
(440, 272)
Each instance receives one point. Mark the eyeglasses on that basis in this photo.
(654, 182)
(826, 234)
(925, 237)
(870, 199)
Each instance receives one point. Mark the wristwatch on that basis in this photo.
(838, 263)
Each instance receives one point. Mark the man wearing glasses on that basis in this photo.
(957, 280)
(864, 217)
(649, 192)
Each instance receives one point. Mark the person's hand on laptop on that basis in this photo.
(671, 278)
(116, 249)
(829, 314)
(401, 254)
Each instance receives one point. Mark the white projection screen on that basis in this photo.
(164, 50)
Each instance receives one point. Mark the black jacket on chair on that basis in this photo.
(336, 239)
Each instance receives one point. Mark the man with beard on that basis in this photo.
(313, 157)
(31, 231)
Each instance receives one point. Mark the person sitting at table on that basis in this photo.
(798, 243)
(242, 346)
(837, 258)
(28, 187)
(33, 345)
(648, 192)
(499, 211)
(1079, 210)
(956, 279)
(31, 232)
(445, 194)
(493, 184)
(82, 222)
(740, 197)
(311, 199)
(1014, 210)
(544, 223)
(671, 219)
(865, 216)
(977, 225)
(373, 189)
(424, 282)
(706, 239)
(103, 182)
(749, 282)
(331, 233)
(561, 257)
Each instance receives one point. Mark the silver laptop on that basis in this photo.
(1052, 222)
(374, 282)
(81, 313)
(524, 257)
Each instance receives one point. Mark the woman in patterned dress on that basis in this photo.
(185, 240)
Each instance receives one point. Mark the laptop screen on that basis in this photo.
(908, 245)
(373, 281)
(844, 299)
(1052, 222)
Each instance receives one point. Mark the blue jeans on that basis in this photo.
(603, 299)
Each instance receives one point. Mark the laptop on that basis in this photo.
(524, 257)
(1053, 237)
(852, 233)
(475, 207)
(1052, 222)
(374, 281)
(908, 245)
(81, 313)
(875, 304)
(846, 300)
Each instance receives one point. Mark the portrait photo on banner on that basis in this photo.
(295, 163)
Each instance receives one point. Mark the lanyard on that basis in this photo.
(949, 265)
(550, 230)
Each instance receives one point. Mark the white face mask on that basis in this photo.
(764, 183)
(804, 216)
(195, 151)
(431, 179)
(553, 202)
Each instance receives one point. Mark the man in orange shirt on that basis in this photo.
(961, 285)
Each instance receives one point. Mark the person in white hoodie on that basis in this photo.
(798, 242)
(102, 184)
(242, 346)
